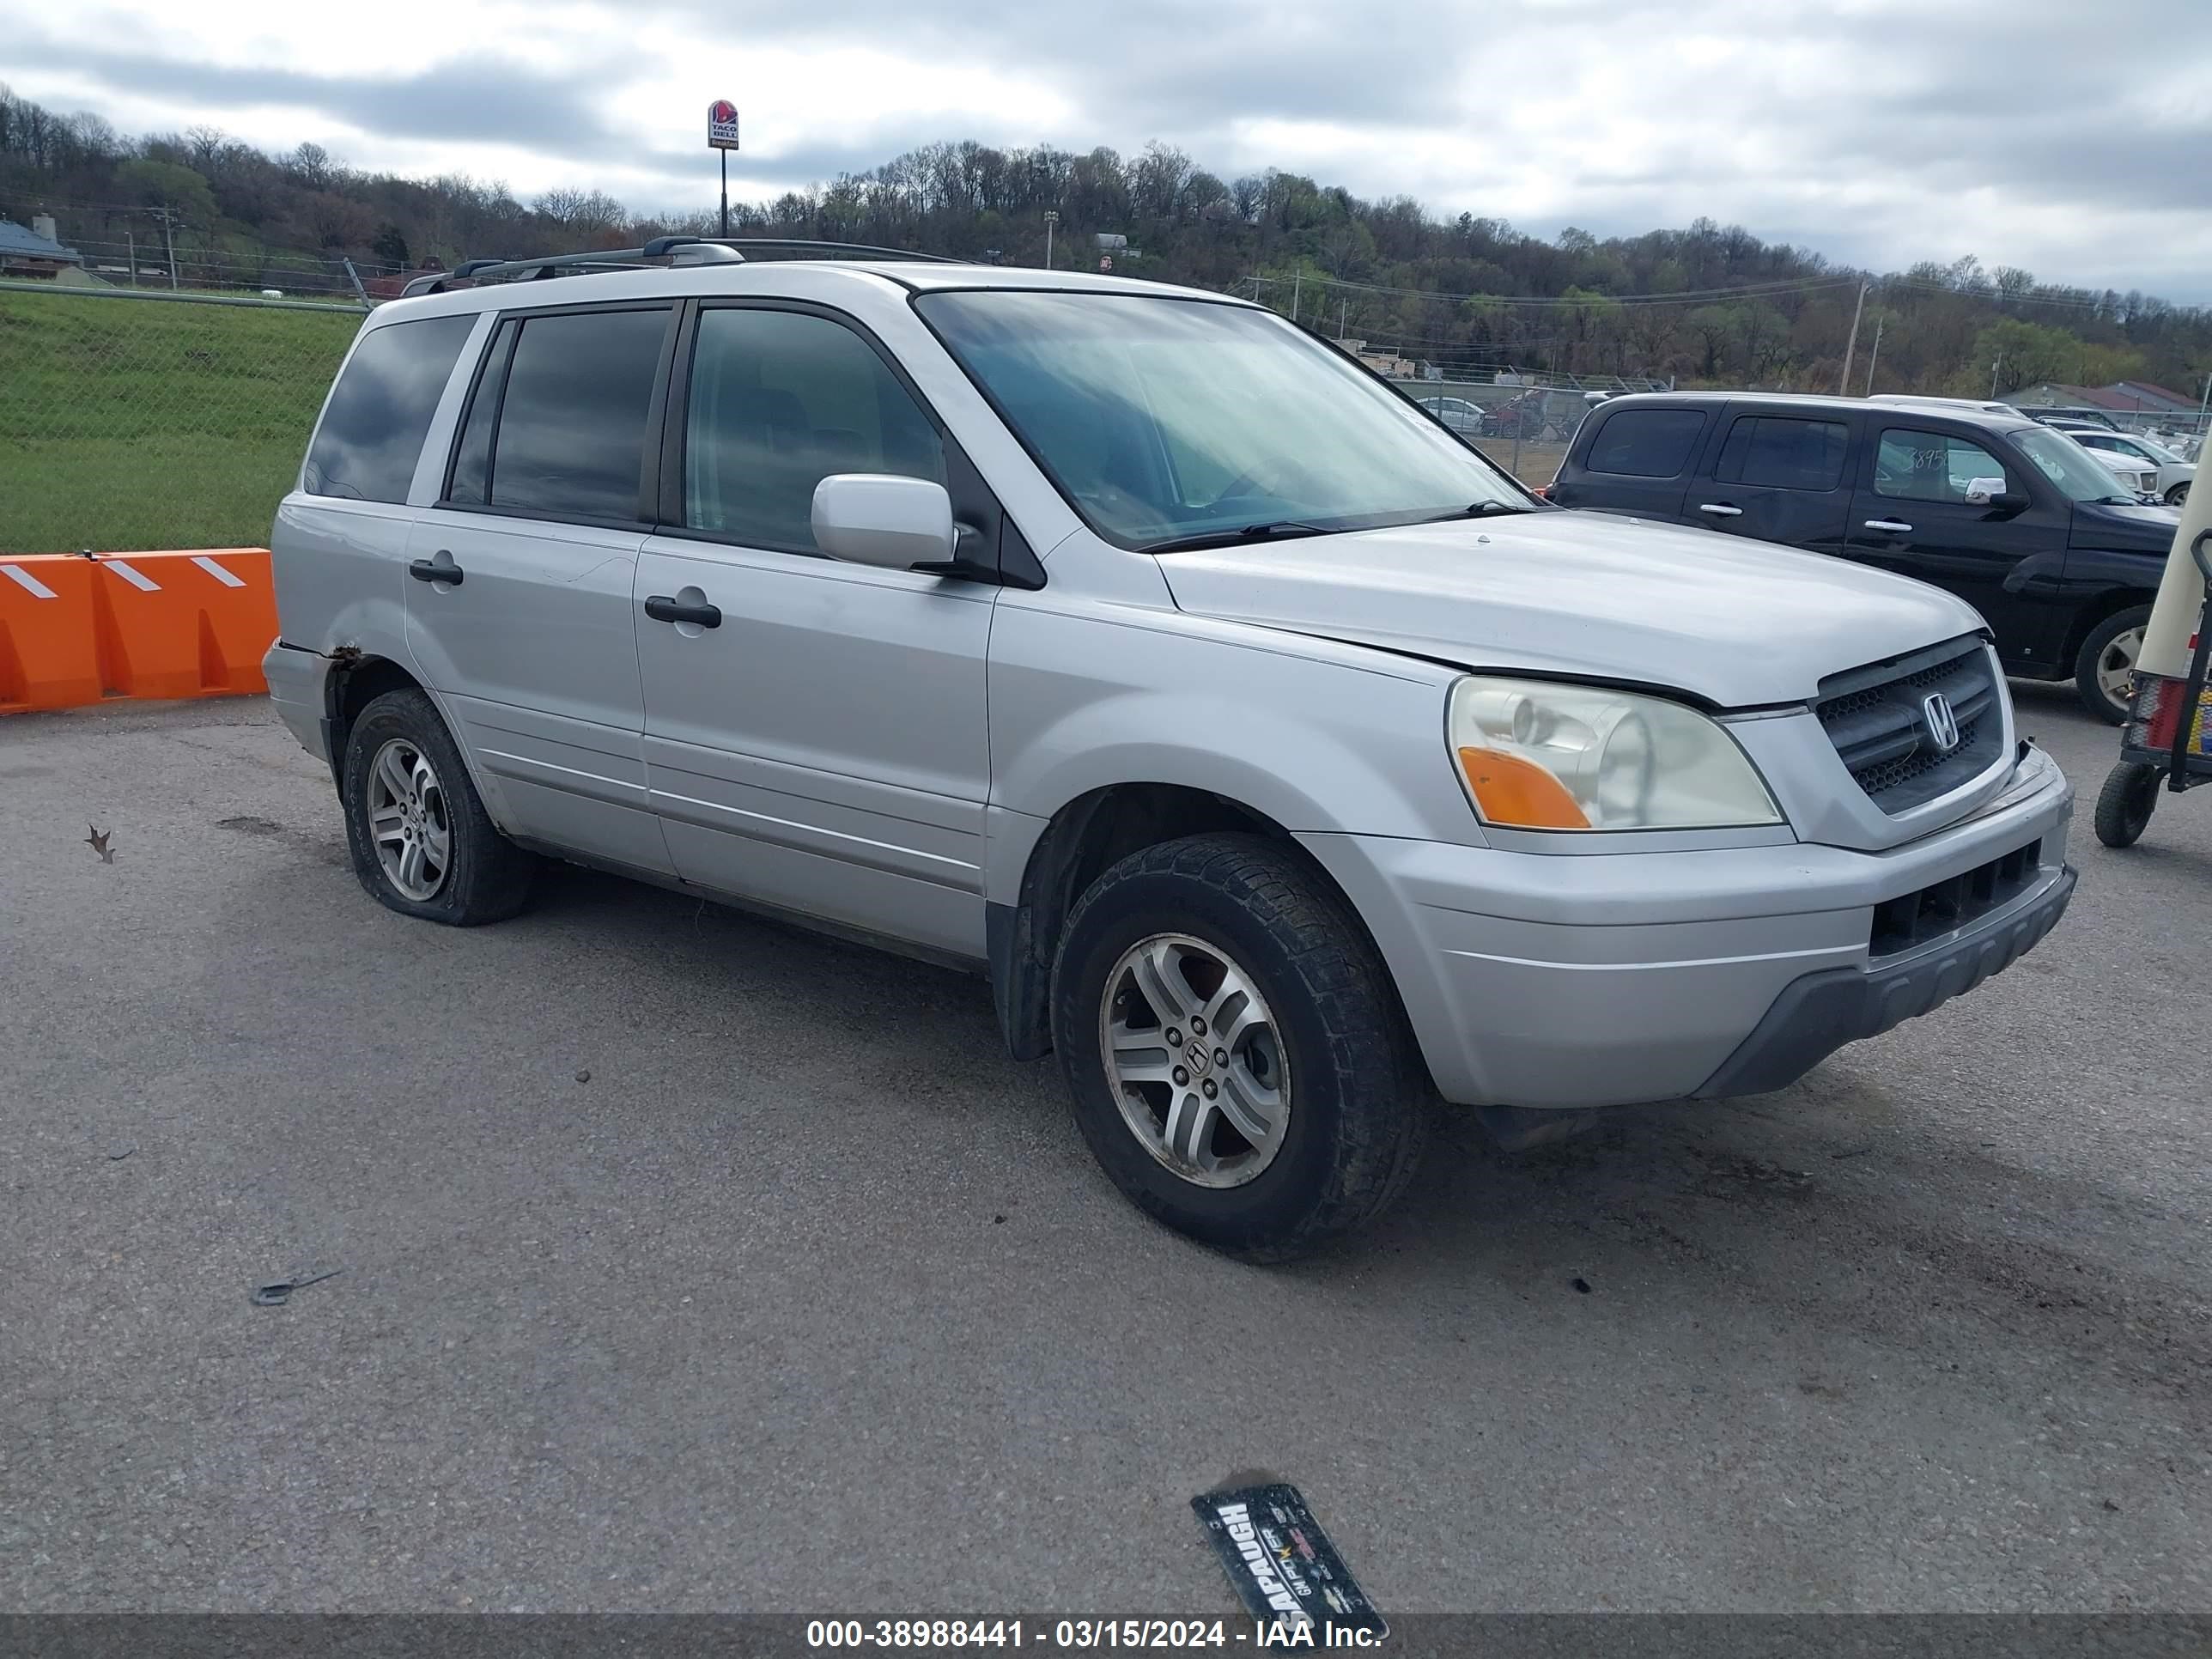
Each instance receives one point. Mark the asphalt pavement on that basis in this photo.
(686, 1261)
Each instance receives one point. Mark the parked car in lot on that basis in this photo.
(1280, 761)
(2070, 415)
(1459, 414)
(2059, 558)
(2170, 476)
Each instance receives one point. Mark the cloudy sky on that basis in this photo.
(2072, 138)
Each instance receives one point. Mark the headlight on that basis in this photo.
(1540, 756)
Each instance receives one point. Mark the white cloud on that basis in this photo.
(1879, 132)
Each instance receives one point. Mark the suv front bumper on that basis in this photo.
(1597, 979)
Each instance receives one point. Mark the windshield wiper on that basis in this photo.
(1478, 510)
(1271, 530)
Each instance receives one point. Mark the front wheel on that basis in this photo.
(2125, 803)
(2178, 494)
(2105, 667)
(1238, 1059)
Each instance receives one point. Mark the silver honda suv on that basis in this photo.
(1281, 763)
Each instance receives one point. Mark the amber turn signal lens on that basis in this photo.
(1519, 794)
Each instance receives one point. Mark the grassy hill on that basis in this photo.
(134, 423)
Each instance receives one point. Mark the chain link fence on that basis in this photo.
(137, 420)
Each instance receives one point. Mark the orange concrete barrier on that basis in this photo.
(185, 624)
(47, 658)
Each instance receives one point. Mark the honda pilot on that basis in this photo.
(1279, 761)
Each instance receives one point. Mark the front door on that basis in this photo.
(815, 732)
(521, 579)
(1912, 514)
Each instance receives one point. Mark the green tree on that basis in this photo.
(165, 184)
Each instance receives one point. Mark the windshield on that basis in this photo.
(1164, 419)
(2080, 476)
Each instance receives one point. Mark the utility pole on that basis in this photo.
(1874, 356)
(1340, 319)
(2202, 402)
(131, 247)
(1051, 218)
(169, 239)
(1298, 286)
(1844, 384)
(1995, 369)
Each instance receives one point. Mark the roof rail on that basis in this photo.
(661, 251)
(661, 246)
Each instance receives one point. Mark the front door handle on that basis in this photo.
(1722, 510)
(440, 569)
(1889, 526)
(662, 608)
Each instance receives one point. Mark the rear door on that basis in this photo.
(1638, 462)
(520, 577)
(1780, 477)
(1910, 514)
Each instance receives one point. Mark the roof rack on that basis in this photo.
(661, 251)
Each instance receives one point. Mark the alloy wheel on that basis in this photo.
(408, 820)
(2116, 668)
(1195, 1060)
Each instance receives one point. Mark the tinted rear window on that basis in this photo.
(572, 419)
(1783, 453)
(1646, 443)
(380, 410)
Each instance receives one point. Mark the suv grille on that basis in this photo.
(1877, 717)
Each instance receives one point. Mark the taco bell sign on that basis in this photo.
(722, 125)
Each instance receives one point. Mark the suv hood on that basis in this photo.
(1734, 622)
(2124, 528)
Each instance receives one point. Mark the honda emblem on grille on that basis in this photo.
(1943, 725)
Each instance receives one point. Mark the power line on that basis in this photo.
(1754, 290)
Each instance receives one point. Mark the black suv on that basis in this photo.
(2016, 519)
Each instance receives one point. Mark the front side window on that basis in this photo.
(780, 400)
(379, 411)
(564, 436)
(1934, 466)
(1163, 420)
(1783, 453)
(1646, 443)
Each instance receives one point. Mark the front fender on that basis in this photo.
(1317, 736)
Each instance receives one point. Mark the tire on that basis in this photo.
(2125, 803)
(2118, 635)
(470, 873)
(1354, 1098)
(2178, 494)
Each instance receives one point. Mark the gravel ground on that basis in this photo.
(809, 1299)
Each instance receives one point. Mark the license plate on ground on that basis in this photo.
(1281, 1563)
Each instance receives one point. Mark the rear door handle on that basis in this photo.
(1722, 510)
(430, 570)
(661, 608)
(1889, 526)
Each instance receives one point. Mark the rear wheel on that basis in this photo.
(2125, 803)
(2105, 668)
(421, 840)
(1233, 1044)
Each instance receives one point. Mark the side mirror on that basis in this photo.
(883, 519)
(2012, 501)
